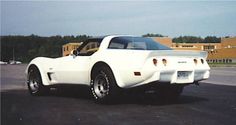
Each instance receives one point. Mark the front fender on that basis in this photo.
(40, 63)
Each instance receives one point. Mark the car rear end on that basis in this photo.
(175, 67)
(136, 61)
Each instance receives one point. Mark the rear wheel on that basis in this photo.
(34, 82)
(103, 85)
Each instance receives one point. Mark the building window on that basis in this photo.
(208, 47)
(187, 46)
(227, 60)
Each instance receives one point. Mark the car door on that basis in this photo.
(75, 68)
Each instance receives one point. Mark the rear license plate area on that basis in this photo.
(183, 74)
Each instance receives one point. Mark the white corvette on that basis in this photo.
(112, 63)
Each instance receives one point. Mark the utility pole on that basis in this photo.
(13, 53)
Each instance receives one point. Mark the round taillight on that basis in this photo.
(195, 61)
(164, 61)
(202, 61)
(154, 62)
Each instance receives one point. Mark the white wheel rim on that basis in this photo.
(101, 86)
(34, 85)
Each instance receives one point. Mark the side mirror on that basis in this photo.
(74, 52)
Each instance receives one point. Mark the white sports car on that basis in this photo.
(109, 64)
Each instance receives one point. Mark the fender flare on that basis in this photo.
(40, 68)
(113, 70)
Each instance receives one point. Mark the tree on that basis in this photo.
(153, 35)
(187, 39)
(28, 47)
(212, 39)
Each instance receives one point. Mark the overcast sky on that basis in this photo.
(101, 18)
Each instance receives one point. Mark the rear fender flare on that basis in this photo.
(114, 71)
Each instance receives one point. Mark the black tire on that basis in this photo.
(169, 92)
(34, 82)
(103, 85)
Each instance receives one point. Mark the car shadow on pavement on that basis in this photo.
(153, 99)
(71, 91)
(83, 93)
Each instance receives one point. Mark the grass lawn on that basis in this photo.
(222, 64)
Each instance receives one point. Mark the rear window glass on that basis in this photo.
(136, 43)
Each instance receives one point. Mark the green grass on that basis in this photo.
(222, 64)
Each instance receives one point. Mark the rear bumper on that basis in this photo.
(171, 76)
(192, 76)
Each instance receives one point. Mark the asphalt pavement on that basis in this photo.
(211, 103)
(222, 76)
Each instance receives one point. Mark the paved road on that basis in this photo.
(207, 104)
(13, 77)
(222, 76)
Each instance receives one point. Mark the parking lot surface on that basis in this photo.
(211, 103)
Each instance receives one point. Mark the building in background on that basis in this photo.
(163, 40)
(196, 46)
(227, 52)
(67, 48)
(224, 52)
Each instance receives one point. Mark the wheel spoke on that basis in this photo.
(34, 86)
(100, 86)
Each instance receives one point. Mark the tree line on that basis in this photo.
(194, 39)
(189, 39)
(25, 48)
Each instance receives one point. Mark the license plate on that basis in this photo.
(182, 74)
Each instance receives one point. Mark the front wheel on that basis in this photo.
(103, 85)
(34, 82)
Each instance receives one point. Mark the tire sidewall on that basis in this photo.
(34, 72)
(107, 74)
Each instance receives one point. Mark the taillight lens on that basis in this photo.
(195, 61)
(137, 73)
(164, 61)
(202, 61)
(154, 62)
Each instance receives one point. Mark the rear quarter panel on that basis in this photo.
(123, 64)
